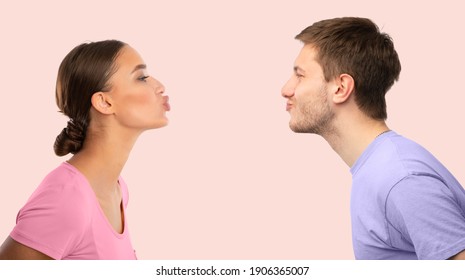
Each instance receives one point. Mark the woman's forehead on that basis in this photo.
(128, 59)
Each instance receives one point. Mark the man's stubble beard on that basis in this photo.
(312, 118)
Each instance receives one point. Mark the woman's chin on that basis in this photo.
(159, 124)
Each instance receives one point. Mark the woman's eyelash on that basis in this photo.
(143, 78)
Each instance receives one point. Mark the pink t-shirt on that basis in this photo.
(63, 219)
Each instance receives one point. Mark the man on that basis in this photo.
(404, 203)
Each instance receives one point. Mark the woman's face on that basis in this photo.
(137, 98)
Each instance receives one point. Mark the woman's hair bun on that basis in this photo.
(70, 139)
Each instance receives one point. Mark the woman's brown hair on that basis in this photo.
(84, 71)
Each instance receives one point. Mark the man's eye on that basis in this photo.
(143, 78)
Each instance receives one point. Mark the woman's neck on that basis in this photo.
(103, 157)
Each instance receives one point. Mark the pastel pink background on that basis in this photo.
(226, 179)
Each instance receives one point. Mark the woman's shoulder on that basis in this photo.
(64, 184)
(65, 172)
(59, 210)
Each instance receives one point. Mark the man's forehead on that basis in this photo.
(306, 56)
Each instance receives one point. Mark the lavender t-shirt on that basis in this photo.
(404, 203)
(63, 219)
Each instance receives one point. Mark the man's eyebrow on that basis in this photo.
(298, 69)
(138, 67)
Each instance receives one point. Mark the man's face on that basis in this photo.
(307, 95)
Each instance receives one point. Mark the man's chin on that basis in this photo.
(303, 129)
(297, 129)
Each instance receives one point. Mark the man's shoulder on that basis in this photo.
(397, 157)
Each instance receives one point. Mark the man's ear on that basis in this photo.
(102, 102)
(345, 86)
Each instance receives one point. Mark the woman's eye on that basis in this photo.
(143, 78)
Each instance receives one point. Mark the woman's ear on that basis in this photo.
(345, 87)
(102, 102)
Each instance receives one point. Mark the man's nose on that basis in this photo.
(288, 89)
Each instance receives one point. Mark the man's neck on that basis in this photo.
(351, 136)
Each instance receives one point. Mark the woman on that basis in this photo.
(77, 212)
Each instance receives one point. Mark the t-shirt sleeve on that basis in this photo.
(53, 220)
(424, 210)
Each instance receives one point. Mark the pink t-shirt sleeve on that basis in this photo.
(54, 219)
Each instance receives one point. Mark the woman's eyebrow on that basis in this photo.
(138, 67)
